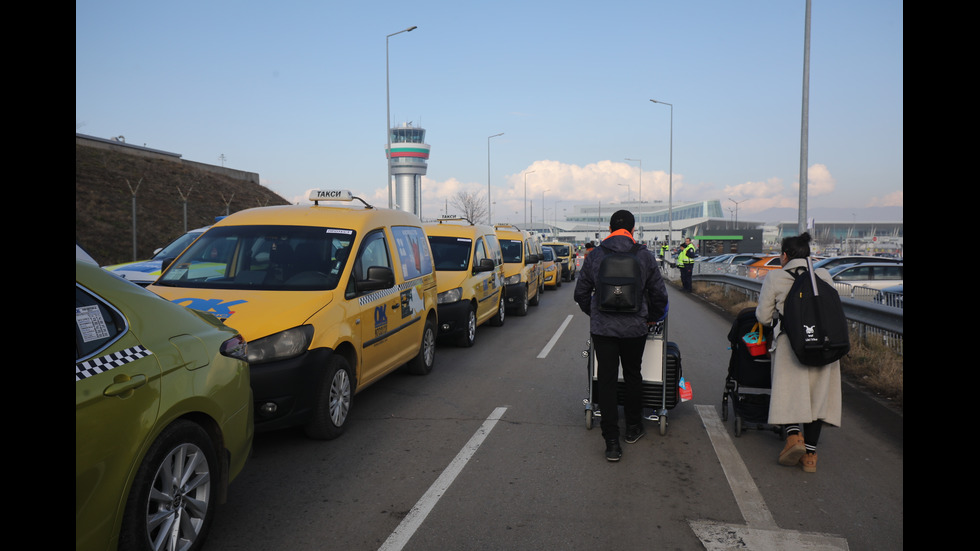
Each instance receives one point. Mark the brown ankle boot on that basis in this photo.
(809, 462)
(792, 451)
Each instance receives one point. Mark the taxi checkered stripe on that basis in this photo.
(366, 299)
(109, 361)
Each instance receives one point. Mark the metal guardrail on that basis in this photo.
(865, 315)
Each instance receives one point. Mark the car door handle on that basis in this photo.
(123, 386)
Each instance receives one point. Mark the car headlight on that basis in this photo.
(452, 295)
(280, 346)
(514, 279)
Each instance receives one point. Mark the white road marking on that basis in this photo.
(554, 339)
(406, 529)
(761, 532)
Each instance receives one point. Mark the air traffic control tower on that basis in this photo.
(409, 154)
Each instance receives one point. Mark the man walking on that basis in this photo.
(620, 337)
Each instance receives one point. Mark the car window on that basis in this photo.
(374, 253)
(451, 254)
(511, 249)
(856, 273)
(560, 250)
(97, 324)
(479, 252)
(888, 272)
(263, 258)
(413, 251)
(549, 254)
(493, 246)
(177, 245)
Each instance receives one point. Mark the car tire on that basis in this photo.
(175, 489)
(468, 337)
(522, 307)
(537, 297)
(422, 363)
(498, 319)
(332, 404)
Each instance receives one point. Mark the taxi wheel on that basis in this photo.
(172, 498)
(537, 297)
(468, 337)
(498, 319)
(333, 401)
(522, 307)
(426, 358)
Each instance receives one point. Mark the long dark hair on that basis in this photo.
(797, 246)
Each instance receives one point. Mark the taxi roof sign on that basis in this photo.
(331, 195)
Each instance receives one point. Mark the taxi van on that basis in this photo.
(550, 269)
(522, 267)
(330, 299)
(564, 257)
(470, 270)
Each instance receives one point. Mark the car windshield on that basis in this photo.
(451, 254)
(275, 258)
(549, 254)
(177, 245)
(511, 249)
(560, 250)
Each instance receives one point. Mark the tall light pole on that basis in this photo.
(489, 213)
(670, 196)
(388, 116)
(736, 210)
(525, 197)
(805, 123)
(639, 193)
(543, 223)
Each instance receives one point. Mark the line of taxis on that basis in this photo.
(329, 300)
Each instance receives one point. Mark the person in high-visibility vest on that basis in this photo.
(685, 261)
(663, 255)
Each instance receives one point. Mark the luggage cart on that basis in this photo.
(660, 371)
(751, 409)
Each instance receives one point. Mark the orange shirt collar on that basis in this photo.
(622, 232)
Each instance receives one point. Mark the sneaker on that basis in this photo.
(613, 450)
(793, 450)
(809, 462)
(634, 433)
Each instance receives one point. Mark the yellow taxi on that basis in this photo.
(565, 257)
(550, 268)
(522, 266)
(470, 270)
(330, 299)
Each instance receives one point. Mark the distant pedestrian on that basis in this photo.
(685, 261)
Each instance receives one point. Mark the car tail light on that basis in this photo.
(235, 347)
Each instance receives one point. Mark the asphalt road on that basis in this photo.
(490, 451)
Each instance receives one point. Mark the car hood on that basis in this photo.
(450, 280)
(255, 314)
(146, 270)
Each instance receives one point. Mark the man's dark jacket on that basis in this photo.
(620, 324)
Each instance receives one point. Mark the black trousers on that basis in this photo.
(687, 273)
(610, 353)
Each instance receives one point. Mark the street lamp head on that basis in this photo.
(410, 29)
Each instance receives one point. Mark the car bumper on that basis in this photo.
(285, 391)
(452, 317)
(516, 294)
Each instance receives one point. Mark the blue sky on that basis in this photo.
(295, 91)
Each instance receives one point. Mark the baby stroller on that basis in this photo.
(747, 371)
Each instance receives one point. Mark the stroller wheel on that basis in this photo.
(738, 426)
(588, 419)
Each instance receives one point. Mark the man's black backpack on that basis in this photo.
(814, 321)
(620, 281)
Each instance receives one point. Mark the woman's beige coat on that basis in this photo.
(800, 394)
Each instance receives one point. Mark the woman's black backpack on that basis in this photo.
(814, 320)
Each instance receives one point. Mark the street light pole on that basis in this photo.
(388, 102)
(670, 196)
(804, 127)
(639, 193)
(489, 213)
(736, 210)
(525, 197)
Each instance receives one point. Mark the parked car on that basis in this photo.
(833, 261)
(565, 257)
(759, 268)
(470, 271)
(522, 267)
(331, 298)
(163, 415)
(878, 276)
(892, 296)
(551, 268)
(145, 272)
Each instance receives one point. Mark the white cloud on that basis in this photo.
(894, 199)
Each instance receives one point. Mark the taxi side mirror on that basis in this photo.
(378, 277)
(485, 265)
(532, 259)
